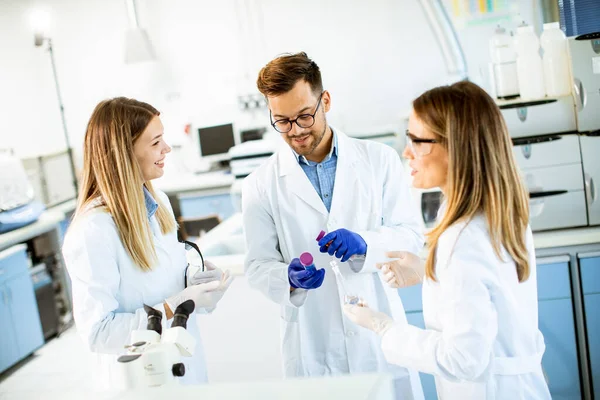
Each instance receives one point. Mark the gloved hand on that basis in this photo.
(302, 278)
(344, 244)
(367, 318)
(205, 295)
(406, 270)
(195, 276)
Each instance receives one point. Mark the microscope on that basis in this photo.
(154, 358)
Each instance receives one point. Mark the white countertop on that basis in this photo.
(349, 387)
(48, 221)
(567, 237)
(172, 184)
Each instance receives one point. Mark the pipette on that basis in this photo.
(348, 298)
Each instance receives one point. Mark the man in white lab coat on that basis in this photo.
(355, 190)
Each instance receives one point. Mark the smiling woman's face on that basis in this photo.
(150, 150)
(428, 161)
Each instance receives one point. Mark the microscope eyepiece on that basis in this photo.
(182, 313)
(154, 319)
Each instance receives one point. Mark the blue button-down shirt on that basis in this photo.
(322, 175)
(151, 204)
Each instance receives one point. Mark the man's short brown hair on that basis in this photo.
(281, 74)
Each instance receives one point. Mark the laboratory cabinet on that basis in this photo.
(198, 206)
(22, 329)
(557, 324)
(589, 265)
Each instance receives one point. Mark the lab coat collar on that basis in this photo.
(151, 204)
(345, 177)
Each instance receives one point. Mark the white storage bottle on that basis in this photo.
(555, 61)
(504, 64)
(530, 72)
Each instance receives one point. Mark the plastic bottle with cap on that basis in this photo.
(306, 259)
(504, 64)
(555, 61)
(530, 72)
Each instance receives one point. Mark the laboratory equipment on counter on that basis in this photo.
(529, 64)
(52, 177)
(245, 158)
(154, 358)
(307, 260)
(504, 64)
(557, 77)
(584, 53)
(349, 298)
(17, 205)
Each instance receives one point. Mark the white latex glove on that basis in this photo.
(205, 295)
(218, 294)
(406, 270)
(195, 275)
(373, 320)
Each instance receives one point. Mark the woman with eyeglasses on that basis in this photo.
(121, 250)
(479, 293)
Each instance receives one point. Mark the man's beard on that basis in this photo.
(317, 141)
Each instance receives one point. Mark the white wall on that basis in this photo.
(375, 57)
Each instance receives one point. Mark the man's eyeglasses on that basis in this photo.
(302, 120)
(419, 147)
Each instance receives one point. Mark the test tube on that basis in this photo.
(306, 259)
(348, 298)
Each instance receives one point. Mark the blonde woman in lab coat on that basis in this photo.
(121, 250)
(479, 295)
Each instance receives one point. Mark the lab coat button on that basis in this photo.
(350, 333)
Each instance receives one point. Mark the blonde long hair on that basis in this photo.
(482, 173)
(111, 174)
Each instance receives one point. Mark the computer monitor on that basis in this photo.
(215, 142)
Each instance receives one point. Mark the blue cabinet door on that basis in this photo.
(25, 314)
(590, 281)
(412, 298)
(9, 353)
(592, 322)
(427, 380)
(560, 361)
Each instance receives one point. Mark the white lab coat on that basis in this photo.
(109, 292)
(482, 339)
(283, 215)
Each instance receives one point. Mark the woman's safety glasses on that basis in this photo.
(419, 147)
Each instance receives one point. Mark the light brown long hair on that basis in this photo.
(482, 173)
(112, 175)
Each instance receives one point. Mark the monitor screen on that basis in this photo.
(216, 139)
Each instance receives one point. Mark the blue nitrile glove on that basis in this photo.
(302, 278)
(344, 244)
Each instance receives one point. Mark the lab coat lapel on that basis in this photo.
(346, 184)
(297, 181)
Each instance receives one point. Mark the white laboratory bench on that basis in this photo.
(189, 182)
(47, 222)
(355, 387)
